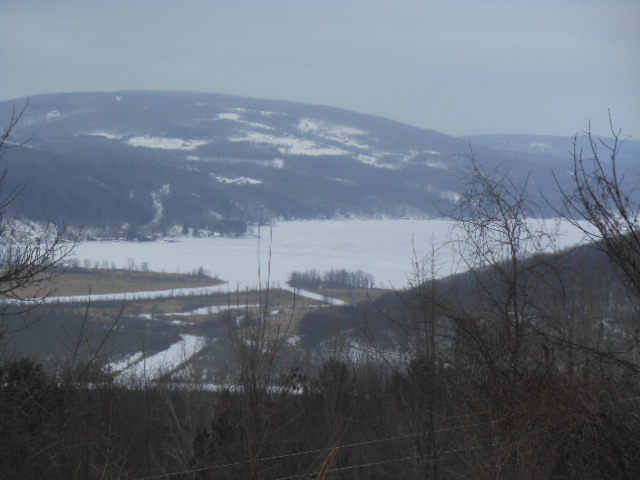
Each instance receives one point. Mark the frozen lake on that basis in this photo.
(383, 248)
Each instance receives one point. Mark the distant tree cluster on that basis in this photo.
(334, 278)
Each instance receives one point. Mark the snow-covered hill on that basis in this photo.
(136, 163)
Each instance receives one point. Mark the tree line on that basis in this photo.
(333, 278)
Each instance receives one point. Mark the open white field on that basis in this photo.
(383, 248)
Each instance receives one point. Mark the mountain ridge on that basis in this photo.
(136, 163)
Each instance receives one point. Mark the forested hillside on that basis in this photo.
(138, 164)
(526, 366)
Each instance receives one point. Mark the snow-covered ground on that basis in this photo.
(141, 295)
(237, 181)
(290, 145)
(336, 302)
(137, 366)
(383, 248)
(335, 133)
(198, 311)
(165, 143)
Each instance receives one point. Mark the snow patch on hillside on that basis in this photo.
(264, 113)
(229, 116)
(290, 145)
(310, 125)
(342, 180)
(374, 162)
(236, 118)
(336, 302)
(445, 194)
(332, 132)
(125, 362)
(237, 181)
(438, 165)
(165, 143)
(105, 134)
(539, 147)
(53, 115)
(157, 204)
(137, 366)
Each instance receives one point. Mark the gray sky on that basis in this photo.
(458, 66)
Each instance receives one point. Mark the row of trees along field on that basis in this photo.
(333, 278)
(526, 366)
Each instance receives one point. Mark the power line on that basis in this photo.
(307, 452)
(344, 446)
(382, 462)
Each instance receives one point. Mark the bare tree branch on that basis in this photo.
(603, 200)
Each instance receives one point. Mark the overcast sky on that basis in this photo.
(459, 66)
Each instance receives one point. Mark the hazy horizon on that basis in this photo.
(462, 68)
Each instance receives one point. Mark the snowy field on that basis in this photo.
(383, 248)
(137, 366)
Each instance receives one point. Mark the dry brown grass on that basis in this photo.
(282, 304)
(104, 281)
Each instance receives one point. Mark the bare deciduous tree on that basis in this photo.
(607, 201)
(30, 254)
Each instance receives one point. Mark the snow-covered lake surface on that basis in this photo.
(383, 248)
